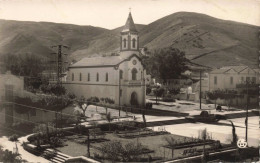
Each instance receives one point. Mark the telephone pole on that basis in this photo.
(200, 89)
(59, 62)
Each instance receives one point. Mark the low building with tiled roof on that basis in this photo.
(120, 77)
(229, 77)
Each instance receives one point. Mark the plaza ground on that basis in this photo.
(221, 130)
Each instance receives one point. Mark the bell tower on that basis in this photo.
(129, 40)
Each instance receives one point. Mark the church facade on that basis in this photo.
(120, 78)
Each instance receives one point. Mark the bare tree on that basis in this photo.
(83, 104)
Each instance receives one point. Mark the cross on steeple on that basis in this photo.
(129, 9)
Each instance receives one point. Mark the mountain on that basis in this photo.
(206, 40)
(17, 37)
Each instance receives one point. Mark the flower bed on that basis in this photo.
(192, 144)
(138, 134)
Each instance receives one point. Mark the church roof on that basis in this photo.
(129, 25)
(107, 61)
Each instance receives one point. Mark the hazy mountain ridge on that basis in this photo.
(206, 40)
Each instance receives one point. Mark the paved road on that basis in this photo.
(220, 131)
(183, 120)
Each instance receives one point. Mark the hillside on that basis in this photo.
(18, 37)
(206, 40)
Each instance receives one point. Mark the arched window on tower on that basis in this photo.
(134, 72)
(97, 77)
(124, 41)
(134, 42)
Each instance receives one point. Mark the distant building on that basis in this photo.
(119, 77)
(236, 78)
(229, 77)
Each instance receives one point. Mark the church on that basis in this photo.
(120, 78)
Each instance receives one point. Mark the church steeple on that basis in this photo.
(129, 40)
(129, 25)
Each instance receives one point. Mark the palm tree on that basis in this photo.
(171, 142)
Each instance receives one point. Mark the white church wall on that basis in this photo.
(92, 88)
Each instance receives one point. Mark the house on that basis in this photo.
(119, 77)
(229, 77)
(241, 79)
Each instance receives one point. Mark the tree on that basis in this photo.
(158, 93)
(83, 104)
(174, 91)
(213, 96)
(109, 119)
(9, 156)
(166, 63)
(204, 136)
(148, 90)
(171, 142)
(234, 135)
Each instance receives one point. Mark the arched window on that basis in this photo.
(134, 72)
(97, 77)
(124, 43)
(121, 74)
(106, 77)
(72, 77)
(134, 41)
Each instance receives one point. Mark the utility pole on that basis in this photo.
(200, 89)
(246, 109)
(59, 62)
(59, 70)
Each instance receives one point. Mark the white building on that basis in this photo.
(229, 77)
(120, 77)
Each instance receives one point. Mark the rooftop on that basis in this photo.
(101, 61)
(226, 68)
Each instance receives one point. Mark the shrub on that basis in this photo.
(14, 137)
(93, 99)
(168, 98)
(174, 91)
(149, 105)
(148, 90)
(159, 91)
(49, 155)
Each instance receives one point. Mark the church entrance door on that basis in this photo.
(134, 100)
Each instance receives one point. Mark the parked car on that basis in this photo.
(205, 117)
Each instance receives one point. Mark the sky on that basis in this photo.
(111, 14)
